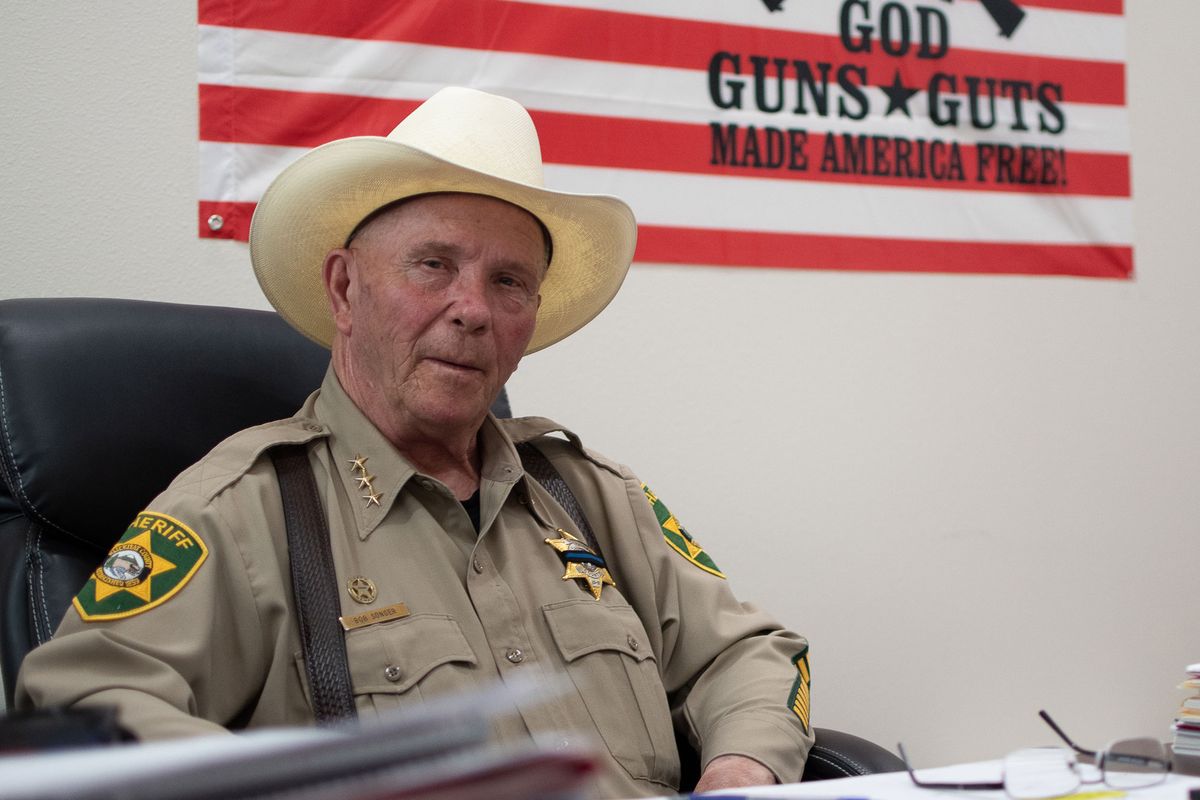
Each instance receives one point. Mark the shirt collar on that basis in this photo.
(365, 461)
(370, 466)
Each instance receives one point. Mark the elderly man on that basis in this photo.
(430, 261)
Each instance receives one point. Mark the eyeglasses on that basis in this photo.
(1042, 772)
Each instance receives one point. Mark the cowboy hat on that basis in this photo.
(459, 140)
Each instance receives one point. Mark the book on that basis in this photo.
(1186, 727)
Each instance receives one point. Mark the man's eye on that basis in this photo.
(433, 263)
(513, 283)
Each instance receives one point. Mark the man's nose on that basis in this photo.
(469, 306)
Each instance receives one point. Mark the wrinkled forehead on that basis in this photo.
(381, 215)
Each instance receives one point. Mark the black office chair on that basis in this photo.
(103, 402)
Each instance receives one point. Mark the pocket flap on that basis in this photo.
(584, 626)
(394, 656)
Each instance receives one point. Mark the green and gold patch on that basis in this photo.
(153, 560)
(677, 536)
(799, 696)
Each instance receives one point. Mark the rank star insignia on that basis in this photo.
(582, 562)
(358, 468)
(153, 560)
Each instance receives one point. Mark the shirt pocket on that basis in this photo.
(612, 665)
(398, 664)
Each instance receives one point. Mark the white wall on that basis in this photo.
(974, 494)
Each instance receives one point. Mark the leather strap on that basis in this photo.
(314, 587)
(541, 470)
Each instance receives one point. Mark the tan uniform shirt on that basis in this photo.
(222, 650)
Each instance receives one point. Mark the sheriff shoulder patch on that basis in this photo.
(677, 536)
(798, 699)
(155, 558)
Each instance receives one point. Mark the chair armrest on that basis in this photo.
(842, 755)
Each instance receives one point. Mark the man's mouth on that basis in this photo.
(454, 365)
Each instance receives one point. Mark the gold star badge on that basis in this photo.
(568, 544)
(582, 562)
(372, 498)
(358, 463)
(590, 575)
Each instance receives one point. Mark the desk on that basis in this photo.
(898, 786)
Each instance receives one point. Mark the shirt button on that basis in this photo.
(633, 643)
(312, 426)
(515, 655)
(478, 565)
(391, 672)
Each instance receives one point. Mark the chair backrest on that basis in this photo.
(102, 403)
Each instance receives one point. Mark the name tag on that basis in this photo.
(385, 614)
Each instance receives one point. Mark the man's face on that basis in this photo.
(441, 298)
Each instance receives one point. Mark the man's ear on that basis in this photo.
(336, 273)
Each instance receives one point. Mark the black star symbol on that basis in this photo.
(898, 96)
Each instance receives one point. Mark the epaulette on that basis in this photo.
(230, 460)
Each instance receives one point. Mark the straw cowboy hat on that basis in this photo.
(459, 140)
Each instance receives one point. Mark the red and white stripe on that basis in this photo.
(619, 92)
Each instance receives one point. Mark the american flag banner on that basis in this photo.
(955, 136)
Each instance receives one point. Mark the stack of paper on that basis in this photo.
(1187, 719)
(439, 751)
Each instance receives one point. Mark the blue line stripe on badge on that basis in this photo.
(577, 556)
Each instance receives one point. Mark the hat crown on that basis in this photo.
(483, 132)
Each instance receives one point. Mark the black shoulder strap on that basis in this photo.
(540, 469)
(314, 587)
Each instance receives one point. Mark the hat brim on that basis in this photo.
(315, 203)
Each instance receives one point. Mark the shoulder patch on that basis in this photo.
(798, 699)
(678, 539)
(152, 561)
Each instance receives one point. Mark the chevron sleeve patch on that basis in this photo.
(799, 696)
